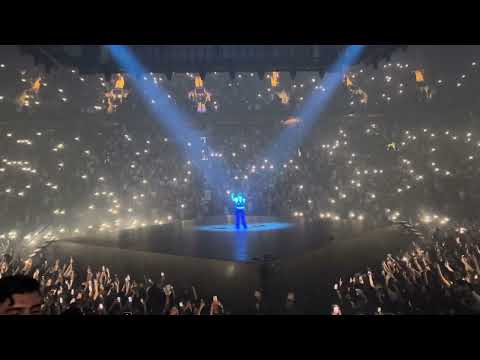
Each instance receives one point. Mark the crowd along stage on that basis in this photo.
(213, 255)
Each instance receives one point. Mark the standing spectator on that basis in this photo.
(290, 307)
(258, 307)
(216, 308)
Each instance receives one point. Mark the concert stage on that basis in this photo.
(217, 238)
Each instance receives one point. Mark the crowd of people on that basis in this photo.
(437, 277)
(67, 289)
(385, 150)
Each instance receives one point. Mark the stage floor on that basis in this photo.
(217, 238)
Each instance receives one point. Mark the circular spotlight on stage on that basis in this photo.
(255, 227)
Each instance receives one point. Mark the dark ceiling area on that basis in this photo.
(204, 59)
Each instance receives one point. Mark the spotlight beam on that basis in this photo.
(168, 114)
(291, 138)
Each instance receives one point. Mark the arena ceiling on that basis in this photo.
(204, 59)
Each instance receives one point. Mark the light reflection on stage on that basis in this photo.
(218, 238)
(269, 226)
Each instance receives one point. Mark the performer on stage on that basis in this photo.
(239, 201)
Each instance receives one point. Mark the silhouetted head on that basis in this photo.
(20, 295)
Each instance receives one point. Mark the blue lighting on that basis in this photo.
(176, 122)
(241, 246)
(257, 227)
(168, 114)
(309, 113)
(240, 218)
(239, 200)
